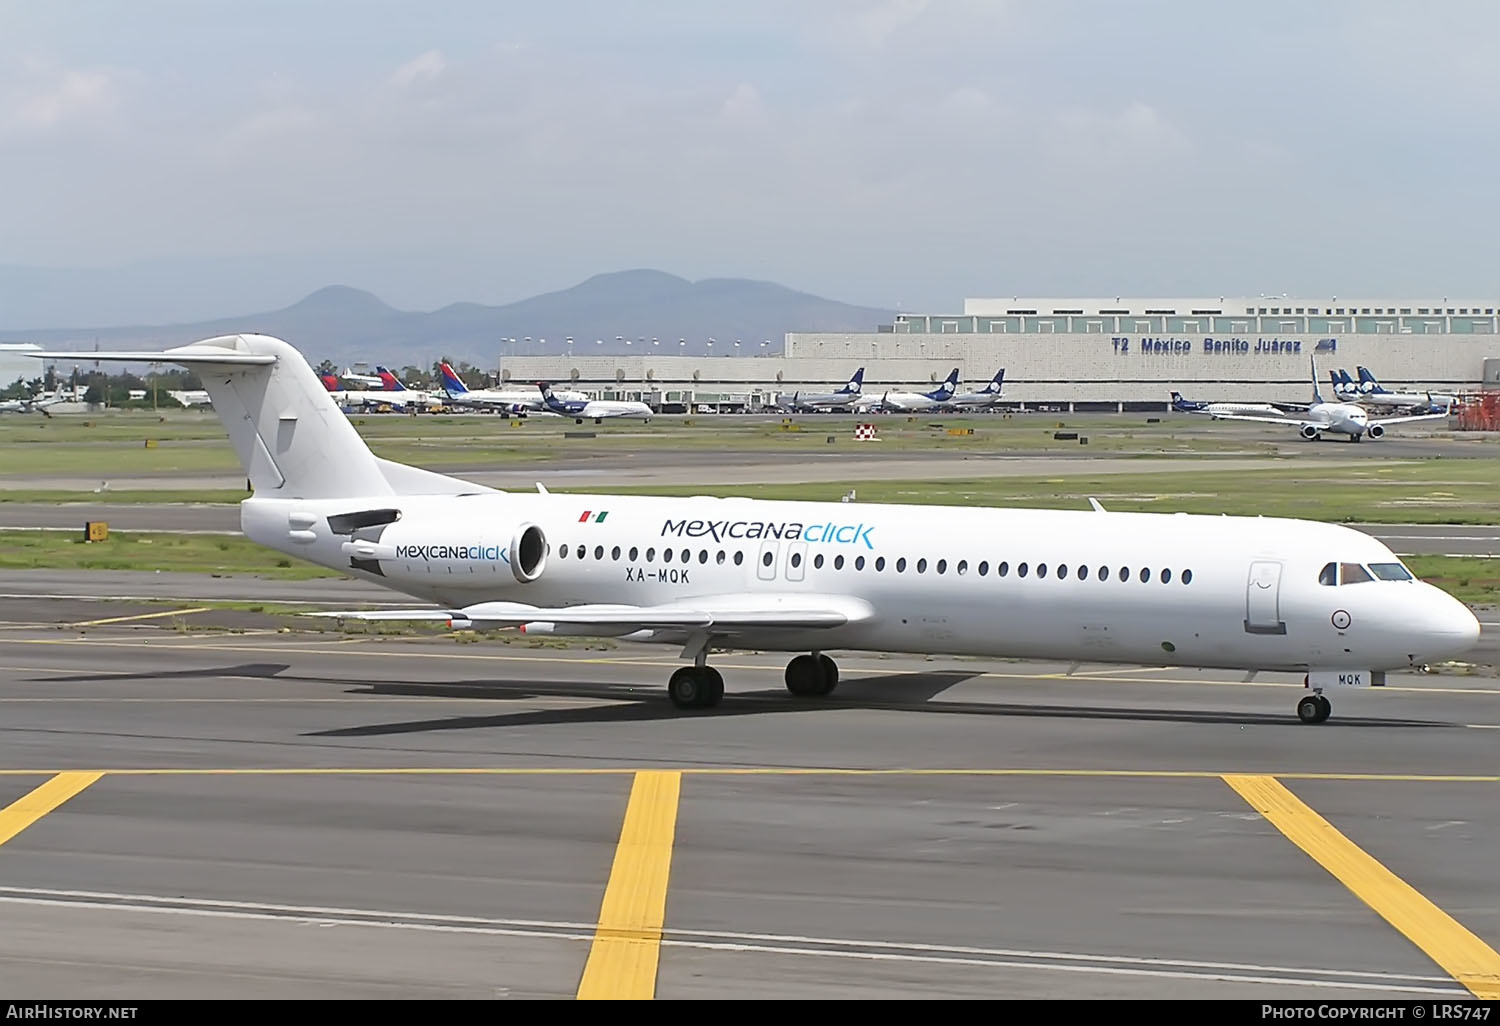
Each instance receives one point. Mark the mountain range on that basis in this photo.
(347, 325)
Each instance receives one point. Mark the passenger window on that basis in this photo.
(859, 563)
(766, 559)
(796, 559)
(942, 566)
(598, 551)
(1041, 569)
(718, 559)
(922, 566)
(1124, 573)
(563, 552)
(1002, 569)
(1083, 573)
(1104, 573)
(838, 562)
(1353, 573)
(1329, 575)
(703, 555)
(615, 553)
(818, 561)
(666, 555)
(901, 565)
(651, 555)
(1166, 577)
(1062, 570)
(1391, 571)
(963, 566)
(1145, 575)
(634, 552)
(1020, 569)
(1187, 577)
(879, 562)
(984, 569)
(739, 557)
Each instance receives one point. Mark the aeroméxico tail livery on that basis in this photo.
(708, 574)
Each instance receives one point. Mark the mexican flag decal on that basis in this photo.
(593, 518)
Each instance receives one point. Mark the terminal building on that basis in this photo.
(1099, 353)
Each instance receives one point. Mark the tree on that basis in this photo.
(327, 367)
(94, 396)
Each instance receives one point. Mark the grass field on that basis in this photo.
(116, 443)
(1420, 491)
(190, 553)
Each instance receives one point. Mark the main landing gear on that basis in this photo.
(812, 675)
(1314, 708)
(700, 686)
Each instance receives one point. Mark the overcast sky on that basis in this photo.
(896, 153)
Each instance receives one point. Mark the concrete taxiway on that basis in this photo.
(288, 815)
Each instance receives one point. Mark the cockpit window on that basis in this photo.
(1329, 575)
(1353, 573)
(1391, 571)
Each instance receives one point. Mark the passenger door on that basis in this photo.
(1263, 599)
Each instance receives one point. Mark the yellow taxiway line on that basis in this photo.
(23, 812)
(627, 945)
(1464, 956)
(141, 616)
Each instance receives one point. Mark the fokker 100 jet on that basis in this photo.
(711, 574)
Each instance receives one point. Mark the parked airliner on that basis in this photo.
(1340, 418)
(710, 574)
(506, 400)
(1370, 392)
(987, 396)
(845, 396)
(911, 402)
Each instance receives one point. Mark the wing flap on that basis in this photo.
(713, 613)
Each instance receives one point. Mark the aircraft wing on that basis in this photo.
(1402, 420)
(717, 614)
(1289, 421)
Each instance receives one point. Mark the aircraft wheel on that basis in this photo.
(1314, 709)
(804, 676)
(694, 688)
(830, 675)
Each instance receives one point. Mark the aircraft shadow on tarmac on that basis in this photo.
(910, 692)
(904, 692)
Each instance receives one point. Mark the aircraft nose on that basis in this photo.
(1449, 628)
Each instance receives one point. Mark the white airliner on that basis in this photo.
(846, 396)
(1252, 593)
(911, 402)
(591, 409)
(507, 400)
(190, 396)
(1341, 418)
(987, 396)
(1217, 409)
(1370, 392)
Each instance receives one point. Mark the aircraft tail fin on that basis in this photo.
(856, 383)
(1317, 396)
(452, 383)
(288, 433)
(389, 380)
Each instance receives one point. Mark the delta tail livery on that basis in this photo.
(1349, 419)
(713, 574)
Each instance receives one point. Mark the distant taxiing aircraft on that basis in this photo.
(1340, 418)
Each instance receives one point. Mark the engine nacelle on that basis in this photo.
(1376, 431)
(528, 553)
(1309, 432)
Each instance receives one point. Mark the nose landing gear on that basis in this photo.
(1314, 708)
